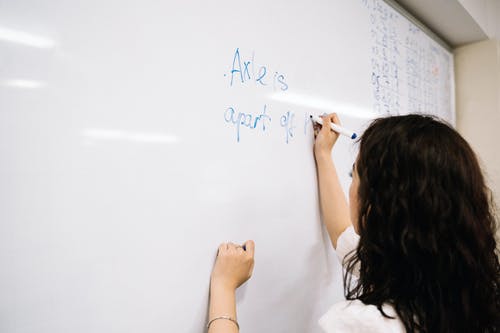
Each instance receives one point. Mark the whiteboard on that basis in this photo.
(135, 136)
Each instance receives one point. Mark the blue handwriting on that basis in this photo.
(248, 120)
(286, 121)
(243, 70)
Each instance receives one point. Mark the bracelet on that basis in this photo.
(226, 318)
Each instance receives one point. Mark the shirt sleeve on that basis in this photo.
(347, 242)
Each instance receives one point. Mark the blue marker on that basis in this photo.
(336, 128)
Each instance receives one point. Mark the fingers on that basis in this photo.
(330, 118)
(334, 118)
(250, 247)
(234, 247)
(325, 128)
(316, 128)
(231, 245)
(327, 120)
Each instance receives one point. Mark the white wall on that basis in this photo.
(477, 71)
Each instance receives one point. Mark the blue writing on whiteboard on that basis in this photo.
(308, 123)
(281, 81)
(239, 119)
(246, 63)
(262, 73)
(243, 70)
(287, 122)
(238, 68)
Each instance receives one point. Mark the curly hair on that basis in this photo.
(427, 229)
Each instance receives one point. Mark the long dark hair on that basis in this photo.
(427, 228)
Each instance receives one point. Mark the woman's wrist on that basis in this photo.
(323, 156)
(221, 286)
(222, 312)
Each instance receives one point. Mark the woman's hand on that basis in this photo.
(232, 268)
(325, 138)
(233, 265)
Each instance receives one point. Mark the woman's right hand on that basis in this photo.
(325, 138)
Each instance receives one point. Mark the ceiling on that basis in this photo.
(446, 18)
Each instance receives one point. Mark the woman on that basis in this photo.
(425, 256)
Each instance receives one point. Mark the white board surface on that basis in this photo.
(135, 136)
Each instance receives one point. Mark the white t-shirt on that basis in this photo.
(354, 316)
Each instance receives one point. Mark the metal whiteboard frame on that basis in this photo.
(419, 24)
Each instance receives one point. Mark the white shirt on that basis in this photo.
(354, 316)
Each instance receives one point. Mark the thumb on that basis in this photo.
(250, 247)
